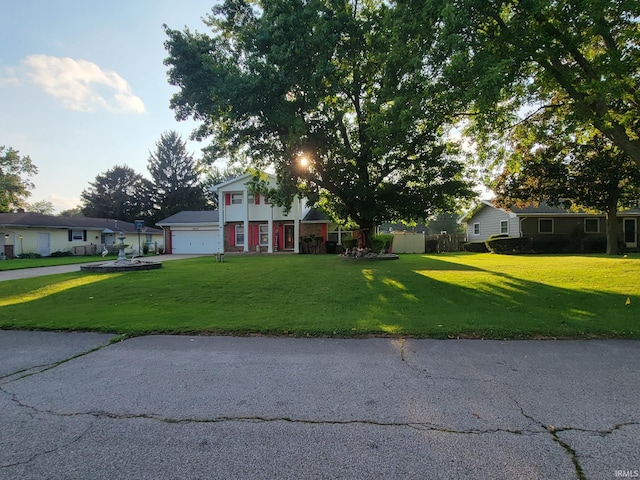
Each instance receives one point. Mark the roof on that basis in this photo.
(541, 209)
(315, 215)
(191, 217)
(35, 220)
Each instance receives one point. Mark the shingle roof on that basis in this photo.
(31, 220)
(191, 216)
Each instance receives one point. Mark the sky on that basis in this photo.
(83, 87)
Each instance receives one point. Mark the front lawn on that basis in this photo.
(444, 295)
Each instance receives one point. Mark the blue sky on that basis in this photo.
(83, 87)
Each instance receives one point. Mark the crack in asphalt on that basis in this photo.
(38, 369)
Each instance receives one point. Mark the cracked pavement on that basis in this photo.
(85, 405)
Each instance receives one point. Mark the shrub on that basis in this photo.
(381, 242)
(500, 244)
(65, 253)
(349, 243)
(145, 249)
(29, 255)
(476, 247)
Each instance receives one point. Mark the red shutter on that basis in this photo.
(323, 231)
(227, 200)
(256, 198)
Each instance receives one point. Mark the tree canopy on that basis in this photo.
(15, 186)
(119, 193)
(571, 165)
(329, 94)
(175, 177)
(506, 53)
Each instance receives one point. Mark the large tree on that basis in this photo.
(15, 187)
(566, 164)
(175, 175)
(505, 53)
(328, 93)
(118, 193)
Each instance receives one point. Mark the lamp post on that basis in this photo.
(21, 249)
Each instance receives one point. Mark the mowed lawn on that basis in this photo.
(443, 295)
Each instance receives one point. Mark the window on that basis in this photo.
(236, 199)
(504, 226)
(591, 225)
(545, 225)
(264, 234)
(76, 234)
(250, 198)
(239, 234)
(476, 229)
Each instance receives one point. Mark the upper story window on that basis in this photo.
(236, 199)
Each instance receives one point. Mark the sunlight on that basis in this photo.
(53, 289)
(393, 283)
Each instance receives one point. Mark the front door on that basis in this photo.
(630, 229)
(44, 247)
(288, 236)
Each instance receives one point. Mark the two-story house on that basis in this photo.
(244, 222)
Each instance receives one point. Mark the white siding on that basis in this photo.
(489, 219)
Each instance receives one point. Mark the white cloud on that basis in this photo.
(82, 85)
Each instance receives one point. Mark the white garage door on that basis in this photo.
(194, 241)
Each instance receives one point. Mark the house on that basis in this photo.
(246, 222)
(545, 224)
(29, 232)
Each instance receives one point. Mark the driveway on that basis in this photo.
(40, 271)
(81, 405)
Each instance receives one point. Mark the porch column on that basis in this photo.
(296, 226)
(339, 235)
(222, 214)
(245, 201)
(270, 231)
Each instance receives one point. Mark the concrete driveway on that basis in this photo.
(41, 271)
(78, 406)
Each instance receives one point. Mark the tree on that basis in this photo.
(175, 175)
(72, 212)
(119, 193)
(326, 93)
(567, 165)
(44, 207)
(14, 186)
(505, 53)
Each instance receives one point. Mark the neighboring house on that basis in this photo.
(30, 232)
(545, 224)
(245, 222)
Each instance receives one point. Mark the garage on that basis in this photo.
(194, 241)
(192, 232)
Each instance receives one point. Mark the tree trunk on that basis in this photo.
(612, 229)
(368, 228)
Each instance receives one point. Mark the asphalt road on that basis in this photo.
(80, 406)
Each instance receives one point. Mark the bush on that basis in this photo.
(29, 255)
(145, 249)
(381, 242)
(505, 244)
(349, 243)
(476, 247)
(59, 253)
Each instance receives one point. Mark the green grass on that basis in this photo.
(445, 295)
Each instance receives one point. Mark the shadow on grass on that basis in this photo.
(443, 298)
